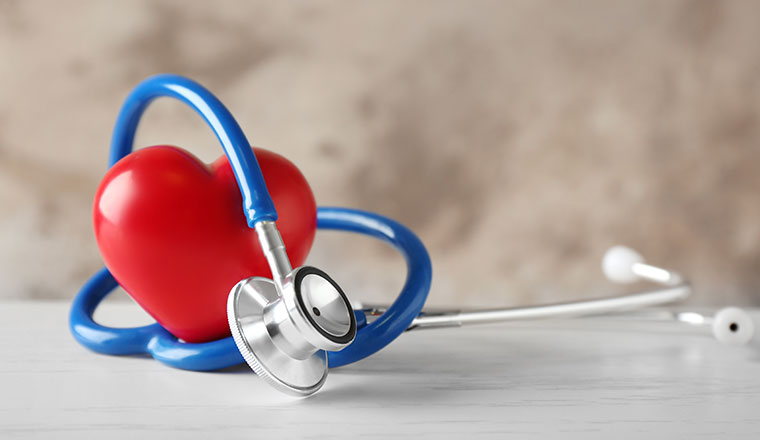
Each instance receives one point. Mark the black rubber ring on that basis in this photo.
(308, 270)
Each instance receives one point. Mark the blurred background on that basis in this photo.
(519, 139)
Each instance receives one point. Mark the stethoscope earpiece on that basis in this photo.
(733, 326)
(624, 265)
(618, 263)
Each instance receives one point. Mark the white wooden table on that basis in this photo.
(584, 379)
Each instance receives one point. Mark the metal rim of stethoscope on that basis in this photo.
(285, 339)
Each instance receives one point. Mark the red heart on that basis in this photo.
(172, 232)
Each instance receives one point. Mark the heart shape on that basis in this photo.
(172, 232)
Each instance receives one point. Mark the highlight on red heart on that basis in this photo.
(171, 230)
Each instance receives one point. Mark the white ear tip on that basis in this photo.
(733, 326)
(618, 262)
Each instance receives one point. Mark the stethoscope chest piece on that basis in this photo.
(283, 337)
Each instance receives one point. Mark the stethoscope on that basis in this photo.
(288, 329)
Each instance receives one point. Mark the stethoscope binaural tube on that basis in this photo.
(620, 264)
(257, 204)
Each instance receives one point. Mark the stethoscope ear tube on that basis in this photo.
(257, 203)
(620, 264)
(150, 339)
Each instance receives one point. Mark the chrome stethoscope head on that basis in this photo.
(283, 327)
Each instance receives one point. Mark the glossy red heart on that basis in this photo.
(171, 230)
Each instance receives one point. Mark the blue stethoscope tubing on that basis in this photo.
(258, 206)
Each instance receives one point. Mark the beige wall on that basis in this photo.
(519, 139)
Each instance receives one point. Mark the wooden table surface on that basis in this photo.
(588, 378)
